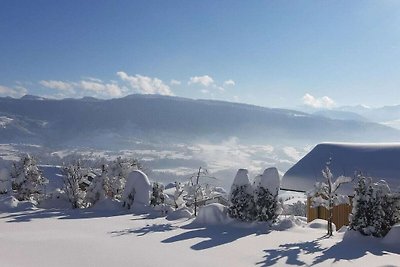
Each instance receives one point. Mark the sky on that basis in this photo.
(320, 54)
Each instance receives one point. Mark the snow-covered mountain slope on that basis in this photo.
(380, 161)
(94, 121)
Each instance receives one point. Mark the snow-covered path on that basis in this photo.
(82, 238)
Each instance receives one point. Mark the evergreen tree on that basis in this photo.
(266, 205)
(27, 180)
(375, 208)
(242, 204)
(360, 216)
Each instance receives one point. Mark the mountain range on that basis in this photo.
(116, 122)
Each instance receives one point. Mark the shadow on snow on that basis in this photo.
(214, 235)
(345, 250)
(27, 216)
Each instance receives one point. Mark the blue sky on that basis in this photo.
(268, 53)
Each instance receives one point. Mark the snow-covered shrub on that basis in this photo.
(137, 189)
(375, 208)
(298, 208)
(5, 182)
(117, 174)
(325, 194)
(28, 182)
(97, 190)
(157, 196)
(242, 205)
(73, 175)
(177, 198)
(266, 195)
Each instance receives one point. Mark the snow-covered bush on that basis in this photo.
(28, 182)
(137, 189)
(298, 208)
(73, 175)
(5, 182)
(242, 205)
(157, 196)
(266, 195)
(375, 208)
(325, 194)
(97, 190)
(117, 174)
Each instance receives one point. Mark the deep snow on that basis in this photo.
(38, 237)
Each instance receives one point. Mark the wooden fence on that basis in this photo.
(340, 213)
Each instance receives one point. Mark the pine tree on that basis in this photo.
(27, 180)
(361, 211)
(242, 204)
(266, 205)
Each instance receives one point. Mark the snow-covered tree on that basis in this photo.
(325, 194)
(195, 191)
(137, 189)
(117, 174)
(97, 190)
(73, 175)
(298, 208)
(375, 208)
(178, 200)
(361, 214)
(241, 198)
(157, 196)
(266, 195)
(5, 182)
(28, 182)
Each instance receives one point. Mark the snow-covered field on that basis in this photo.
(38, 237)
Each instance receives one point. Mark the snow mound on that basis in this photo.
(183, 213)
(138, 183)
(269, 180)
(107, 205)
(320, 224)
(392, 238)
(212, 214)
(287, 223)
(10, 204)
(379, 161)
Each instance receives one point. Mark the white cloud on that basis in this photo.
(17, 91)
(204, 91)
(322, 102)
(109, 89)
(144, 84)
(59, 85)
(203, 80)
(229, 83)
(175, 82)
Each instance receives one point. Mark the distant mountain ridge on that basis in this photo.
(89, 120)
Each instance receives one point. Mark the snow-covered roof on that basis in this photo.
(377, 160)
